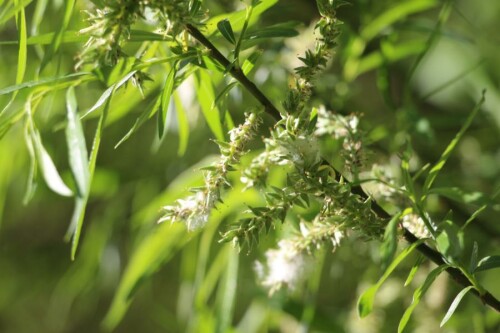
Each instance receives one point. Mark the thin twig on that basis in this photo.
(269, 107)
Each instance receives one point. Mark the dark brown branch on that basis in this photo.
(235, 72)
(269, 107)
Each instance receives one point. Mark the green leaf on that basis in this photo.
(250, 62)
(227, 291)
(390, 242)
(365, 302)
(165, 102)
(459, 195)
(280, 30)
(454, 305)
(47, 166)
(57, 38)
(206, 97)
(75, 227)
(450, 240)
(226, 30)
(487, 263)
(77, 147)
(183, 123)
(473, 257)
(108, 92)
(12, 8)
(418, 294)
(223, 93)
(393, 14)
(237, 19)
(154, 250)
(414, 269)
(433, 173)
(46, 82)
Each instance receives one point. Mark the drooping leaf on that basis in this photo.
(418, 294)
(165, 102)
(365, 302)
(47, 166)
(77, 147)
(454, 305)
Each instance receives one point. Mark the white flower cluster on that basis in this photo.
(195, 209)
(416, 226)
(337, 125)
(284, 267)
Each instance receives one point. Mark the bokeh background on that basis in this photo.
(419, 77)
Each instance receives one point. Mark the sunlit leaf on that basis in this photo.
(226, 30)
(77, 147)
(418, 294)
(390, 242)
(487, 263)
(206, 97)
(165, 102)
(433, 173)
(454, 305)
(365, 302)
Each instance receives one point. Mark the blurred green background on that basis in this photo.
(419, 76)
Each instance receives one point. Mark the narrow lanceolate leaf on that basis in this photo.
(454, 305)
(227, 292)
(183, 124)
(226, 30)
(451, 146)
(49, 171)
(75, 228)
(488, 263)
(13, 8)
(206, 97)
(365, 302)
(397, 12)
(108, 92)
(77, 148)
(22, 55)
(46, 82)
(459, 195)
(414, 269)
(390, 243)
(418, 294)
(165, 102)
(58, 36)
(152, 251)
(473, 257)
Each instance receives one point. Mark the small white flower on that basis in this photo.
(284, 266)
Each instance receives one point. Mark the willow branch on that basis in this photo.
(269, 108)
